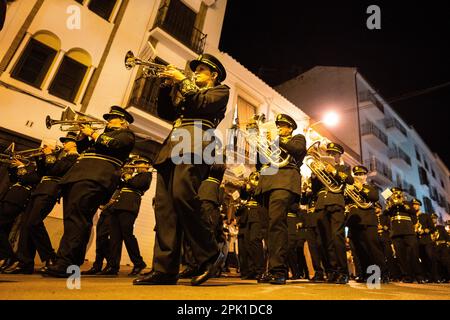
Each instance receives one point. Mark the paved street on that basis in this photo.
(95, 287)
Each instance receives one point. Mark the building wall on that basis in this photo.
(324, 89)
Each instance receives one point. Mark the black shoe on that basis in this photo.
(318, 277)
(249, 276)
(7, 264)
(361, 279)
(264, 278)
(92, 271)
(332, 277)
(109, 271)
(407, 280)
(56, 271)
(210, 270)
(342, 279)
(156, 278)
(189, 273)
(278, 279)
(19, 268)
(137, 270)
(295, 277)
(49, 263)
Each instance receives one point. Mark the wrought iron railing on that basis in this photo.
(394, 123)
(370, 128)
(368, 96)
(375, 165)
(397, 153)
(171, 19)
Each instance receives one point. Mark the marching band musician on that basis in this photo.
(23, 177)
(33, 234)
(123, 213)
(384, 229)
(424, 227)
(403, 236)
(277, 192)
(331, 217)
(252, 230)
(89, 183)
(195, 107)
(363, 226)
(441, 240)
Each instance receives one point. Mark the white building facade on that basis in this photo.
(391, 149)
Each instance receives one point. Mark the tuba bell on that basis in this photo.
(354, 193)
(318, 167)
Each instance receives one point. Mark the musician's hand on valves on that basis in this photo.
(87, 130)
(47, 150)
(17, 163)
(173, 74)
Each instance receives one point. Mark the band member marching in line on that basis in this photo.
(276, 193)
(424, 227)
(362, 225)
(90, 183)
(384, 229)
(441, 240)
(403, 236)
(23, 177)
(124, 209)
(194, 107)
(331, 217)
(33, 235)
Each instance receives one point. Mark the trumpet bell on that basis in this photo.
(130, 60)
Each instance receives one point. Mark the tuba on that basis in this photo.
(318, 167)
(275, 155)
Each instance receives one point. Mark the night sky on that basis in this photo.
(278, 40)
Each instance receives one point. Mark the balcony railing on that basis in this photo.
(393, 123)
(375, 165)
(173, 20)
(368, 96)
(370, 128)
(397, 153)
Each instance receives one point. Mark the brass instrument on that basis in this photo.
(151, 69)
(354, 193)
(435, 236)
(318, 167)
(75, 125)
(274, 154)
(396, 199)
(9, 159)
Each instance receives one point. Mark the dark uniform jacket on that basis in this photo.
(52, 169)
(427, 223)
(443, 236)
(210, 190)
(102, 159)
(384, 225)
(128, 197)
(328, 198)
(288, 177)
(205, 105)
(23, 180)
(401, 219)
(367, 217)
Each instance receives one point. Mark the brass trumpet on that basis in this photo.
(151, 69)
(75, 125)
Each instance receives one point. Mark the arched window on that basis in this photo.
(37, 58)
(70, 75)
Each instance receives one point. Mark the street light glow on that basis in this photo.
(331, 119)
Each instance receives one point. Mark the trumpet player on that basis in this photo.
(277, 192)
(24, 177)
(52, 165)
(424, 227)
(89, 183)
(331, 217)
(362, 224)
(194, 107)
(403, 236)
(441, 239)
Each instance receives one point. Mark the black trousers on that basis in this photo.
(407, 252)
(121, 226)
(277, 202)
(33, 235)
(8, 214)
(102, 240)
(81, 200)
(253, 242)
(178, 212)
(331, 226)
(427, 255)
(316, 250)
(368, 248)
(443, 261)
(296, 257)
(391, 262)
